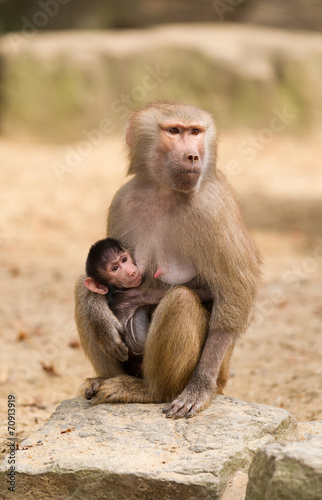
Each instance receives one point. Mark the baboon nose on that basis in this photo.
(192, 158)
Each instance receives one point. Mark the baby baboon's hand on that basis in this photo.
(108, 336)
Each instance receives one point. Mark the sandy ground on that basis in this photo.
(48, 222)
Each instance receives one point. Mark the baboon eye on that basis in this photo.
(114, 268)
(124, 259)
(173, 130)
(195, 131)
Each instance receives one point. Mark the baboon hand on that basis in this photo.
(191, 401)
(110, 341)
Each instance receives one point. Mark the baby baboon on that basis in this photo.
(111, 271)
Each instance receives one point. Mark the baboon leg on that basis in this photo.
(172, 351)
(223, 375)
(177, 334)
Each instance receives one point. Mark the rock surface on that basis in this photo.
(133, 451)
(310, 430)
(291, 471)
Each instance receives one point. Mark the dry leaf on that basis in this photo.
(50, 369)
(74, 344)
(68, 430)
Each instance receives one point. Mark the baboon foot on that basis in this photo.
(90, 386)
(122, 389)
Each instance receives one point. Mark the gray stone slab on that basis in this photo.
(118, 451)
(291, 471)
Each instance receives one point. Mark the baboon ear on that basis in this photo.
(128, 135)
(95, 287)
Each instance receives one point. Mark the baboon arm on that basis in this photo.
(202, 386)
(132, 298)
(94, 318)
(146, 296)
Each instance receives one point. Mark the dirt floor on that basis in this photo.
(49, 218)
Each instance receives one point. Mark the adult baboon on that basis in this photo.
(177, 213)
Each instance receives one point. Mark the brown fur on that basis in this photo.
(187, 355)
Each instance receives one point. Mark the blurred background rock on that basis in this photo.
(55, 84)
